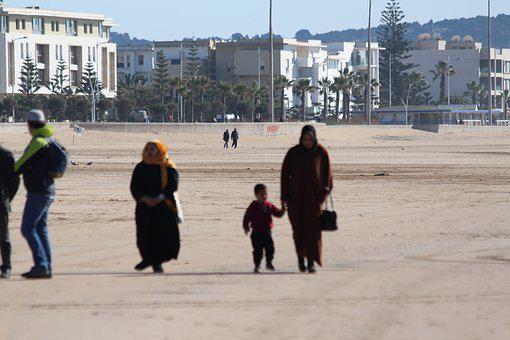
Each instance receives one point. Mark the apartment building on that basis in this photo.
(470, 61)
(133, 60)
(49, 36)
(246, 61)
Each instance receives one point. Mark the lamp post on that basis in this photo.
(271, 62)
(490, 60)
(14, 75)
(368, 89)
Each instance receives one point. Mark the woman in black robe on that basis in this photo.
(154, 182)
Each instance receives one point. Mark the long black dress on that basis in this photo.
(157, 232)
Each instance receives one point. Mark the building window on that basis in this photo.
(55, 26)
(128, 61)
(4, 24)
(140, 60)
(100, 28)
(18, 25)
(37, 25)
(507, 67)
(91, 28)
(93, 54)
(73, 55)
(89, 49)
(40, 54)
(23, 24)
(74, 78)
(42, 76)
(61, 48)
(71, 28)
(85, 28)
(175, 61)
(120, 61)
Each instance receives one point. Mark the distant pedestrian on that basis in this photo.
(9, 183)
(306, 182)
(235, 138)
(154, 185)
(226, 138)
(259, 219)
(43, 161)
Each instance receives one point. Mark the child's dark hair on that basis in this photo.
(259, 188)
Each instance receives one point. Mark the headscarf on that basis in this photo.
(164, 162)
(309, 130)
(162, 157)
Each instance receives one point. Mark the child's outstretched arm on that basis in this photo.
(278, 212)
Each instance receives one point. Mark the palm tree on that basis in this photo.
(361, 91)
(473, 91)
(442, 71)
(225, 90)
(324, 86)
(238, 93)
(282, 83)
(416, 83)
(344, 83)
(301, 88)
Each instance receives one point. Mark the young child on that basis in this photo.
(259, 218)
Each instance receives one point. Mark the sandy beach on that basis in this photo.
(423, 251)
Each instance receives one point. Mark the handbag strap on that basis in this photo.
(331, 200)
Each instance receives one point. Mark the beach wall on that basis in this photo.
(246, 129)
(21, 128)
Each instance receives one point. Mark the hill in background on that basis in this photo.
(477, 27)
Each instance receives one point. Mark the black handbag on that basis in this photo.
(328, 219)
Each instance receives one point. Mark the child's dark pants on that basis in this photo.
(261, 242)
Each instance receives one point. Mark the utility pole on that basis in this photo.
(448, 73)
(368, 89)
(13, 66)
(258, 70)
(271, 62)
(490, 62)
(181, 109)
(391, 75)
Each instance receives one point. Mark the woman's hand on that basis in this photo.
(151, 202)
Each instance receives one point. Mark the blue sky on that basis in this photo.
(175, 19)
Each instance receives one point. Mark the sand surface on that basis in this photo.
(424, 253)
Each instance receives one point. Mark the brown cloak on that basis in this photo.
(305, 184)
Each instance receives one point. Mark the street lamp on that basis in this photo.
(271, 62)
(368, 89)
(406, 104)
(490, 60)
(14, 75)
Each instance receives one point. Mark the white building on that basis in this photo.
(141, 60)
(469, 60)
(238, 62)
(48, 36)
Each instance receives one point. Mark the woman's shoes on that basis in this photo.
(142, 266)
(301, 264)
(157, 269)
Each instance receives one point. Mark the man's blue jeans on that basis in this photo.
(34, 227)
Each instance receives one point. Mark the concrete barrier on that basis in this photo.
(17, 128)
(246, 129)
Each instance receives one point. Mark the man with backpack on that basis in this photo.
(9, 183)
(43, 161)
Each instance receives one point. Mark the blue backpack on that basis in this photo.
(58, 159)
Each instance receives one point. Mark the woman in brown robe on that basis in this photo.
(305, 184)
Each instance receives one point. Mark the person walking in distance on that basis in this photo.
(235, 138)
(226, 138)
(43, 161)
(9, 184)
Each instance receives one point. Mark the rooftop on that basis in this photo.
(37, 11)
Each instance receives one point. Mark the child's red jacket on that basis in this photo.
(259, 216)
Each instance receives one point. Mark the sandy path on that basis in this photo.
(424, 252)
